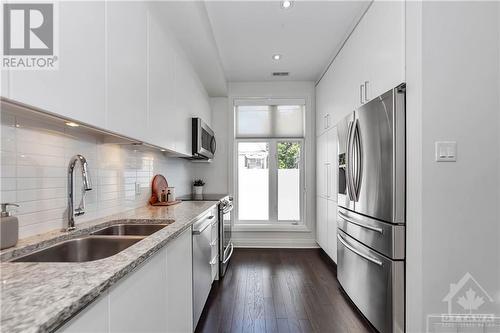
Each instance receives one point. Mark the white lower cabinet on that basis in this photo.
(321, 222)
(180, 284)
(94, 318)
(326, 179)
(156, 297)
(331, 221)
(138, 303)
(326, 226)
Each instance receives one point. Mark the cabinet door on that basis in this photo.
(321, 223)
(384, 67)
(332, 229)
(179, 284)
(322, 102)
(138, 303)
(94, 318)
(161, 86)
(127, 68)
(321, 166)
(332, 163)
(77, 89)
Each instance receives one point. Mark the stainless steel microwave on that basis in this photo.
(204, 144)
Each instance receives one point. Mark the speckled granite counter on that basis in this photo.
(39, 297)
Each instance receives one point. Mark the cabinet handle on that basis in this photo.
(325, 122)
(328, 120)
(361, 100)
(328, 187)
(366, 91)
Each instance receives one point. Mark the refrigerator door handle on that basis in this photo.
(349, 162)
(342, 216)
(362, 255)
(359, 158)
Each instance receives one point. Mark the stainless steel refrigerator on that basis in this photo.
(371, 209)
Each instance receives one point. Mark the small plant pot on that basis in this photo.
(198, 190)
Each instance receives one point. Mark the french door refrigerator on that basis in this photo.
(371, 209)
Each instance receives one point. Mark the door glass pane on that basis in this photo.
(289, 155)
(253, 181)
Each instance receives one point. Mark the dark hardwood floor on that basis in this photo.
(280, 290)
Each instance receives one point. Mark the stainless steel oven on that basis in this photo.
(226, 221)
(203, 141)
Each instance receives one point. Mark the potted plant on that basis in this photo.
(198, 186)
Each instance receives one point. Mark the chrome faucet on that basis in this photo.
(87, 186)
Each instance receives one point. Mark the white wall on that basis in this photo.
(33, 173)
(216, 173)
(453, 208)
(248, 236)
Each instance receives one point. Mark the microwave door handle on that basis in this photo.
(213, 145)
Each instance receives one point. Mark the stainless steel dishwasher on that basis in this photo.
(202, 268)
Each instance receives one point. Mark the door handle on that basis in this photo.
(350, 177)
(204, 227)
(230, 254)
(369, 227)
(366, 91)
(328, 187)
(361, 88)
(362, 255)
(359, 158)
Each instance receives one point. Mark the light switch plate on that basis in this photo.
(446, 151)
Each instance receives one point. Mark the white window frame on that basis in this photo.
(273, 182)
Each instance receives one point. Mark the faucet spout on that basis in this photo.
(87, 186)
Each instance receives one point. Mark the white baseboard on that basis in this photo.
(275, 243)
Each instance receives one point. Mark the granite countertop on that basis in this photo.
(39, 297)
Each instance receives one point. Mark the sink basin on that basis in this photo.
(81, 249)
(130, 230)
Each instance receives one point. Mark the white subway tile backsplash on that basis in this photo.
(37, 183)
(33, 172)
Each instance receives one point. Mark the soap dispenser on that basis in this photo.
(9, 227)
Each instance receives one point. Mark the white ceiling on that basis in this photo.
(308, 35)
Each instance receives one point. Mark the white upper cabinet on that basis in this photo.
(77, 88)
(382, 31)
(332, 164)
(127, 42)
(162, 101)
(321, 166)
(370, 63)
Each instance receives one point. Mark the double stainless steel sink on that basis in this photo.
(100, 244)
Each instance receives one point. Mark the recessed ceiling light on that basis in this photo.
(163, 150)
(276, 56)
(286, 4)
(72, 124)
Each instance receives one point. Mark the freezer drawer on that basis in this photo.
(386, 238)
(373, 282)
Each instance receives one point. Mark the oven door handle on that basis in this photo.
(230, 254)
(230, 208)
